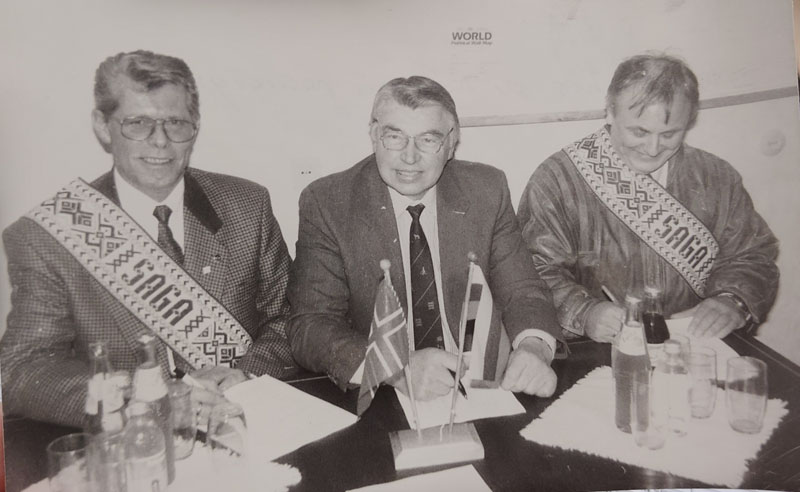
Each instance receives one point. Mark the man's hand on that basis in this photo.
(431, 373)
(529, 369)
(214, 380)
(713, 317)
(603, 321)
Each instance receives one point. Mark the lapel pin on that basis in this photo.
(206, 270)
(216, 257)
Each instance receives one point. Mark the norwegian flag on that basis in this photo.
(387, 351)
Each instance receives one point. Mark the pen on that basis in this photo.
(461, 388)
(608, 294)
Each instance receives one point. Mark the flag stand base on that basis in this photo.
(436, 446)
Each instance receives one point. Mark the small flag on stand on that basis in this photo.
(387, 350)
(486, 337)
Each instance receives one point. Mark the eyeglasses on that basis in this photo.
(430, 143)
(141, 127)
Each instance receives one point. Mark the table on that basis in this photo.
(360, 454)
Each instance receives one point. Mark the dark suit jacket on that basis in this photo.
(347, 225)
(58, 308)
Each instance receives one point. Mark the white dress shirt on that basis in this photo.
(660, 175)
(140, 208)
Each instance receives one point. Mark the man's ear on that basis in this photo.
(373, 135)
(457, 140)
(101, 130)
(609, 116)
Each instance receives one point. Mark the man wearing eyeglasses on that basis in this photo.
(151, 247)
(411, 202)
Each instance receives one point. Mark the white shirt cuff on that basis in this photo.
(358, 375)
(549, 339)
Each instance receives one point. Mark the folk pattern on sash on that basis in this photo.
(132, 267)
(653, 214)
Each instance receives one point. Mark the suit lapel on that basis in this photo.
(105, 185)
(375, 227)
(206, 256)
(455, 242)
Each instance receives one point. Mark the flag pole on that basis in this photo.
(462, 331)
(385, 265)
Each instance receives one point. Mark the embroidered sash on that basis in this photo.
(138, 273)
(654, 215)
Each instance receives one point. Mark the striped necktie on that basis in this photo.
(165, 238)
(424, 299)
(167, 242)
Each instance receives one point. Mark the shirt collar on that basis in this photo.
(660, 174)
(131, 199)
(401, 202)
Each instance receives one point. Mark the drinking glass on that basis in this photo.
(67, 466)
(746, 393)
(227, 439)
(184, 422)
(703, 375)
(686, 347)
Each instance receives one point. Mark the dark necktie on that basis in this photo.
(424, 299)
(167, 242)
(165, 238)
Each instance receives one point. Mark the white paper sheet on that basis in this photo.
(197, 473)
(680, 326)
(281, 418)
(481, 403)
(463, 479)
(582, 418)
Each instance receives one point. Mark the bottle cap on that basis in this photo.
(98, 349)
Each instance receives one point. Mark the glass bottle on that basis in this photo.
(630, 364)
(105, 421)
(145, 449)
(100, 373)
(655, 326)
(149, 387)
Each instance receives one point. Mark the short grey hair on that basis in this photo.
(660, 78)
(147, 69)
(413, 92)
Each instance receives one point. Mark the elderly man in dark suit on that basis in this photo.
(412, 203)
(217, 237)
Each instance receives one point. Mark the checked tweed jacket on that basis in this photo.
(58, 308)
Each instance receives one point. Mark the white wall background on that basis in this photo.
(286, 89)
